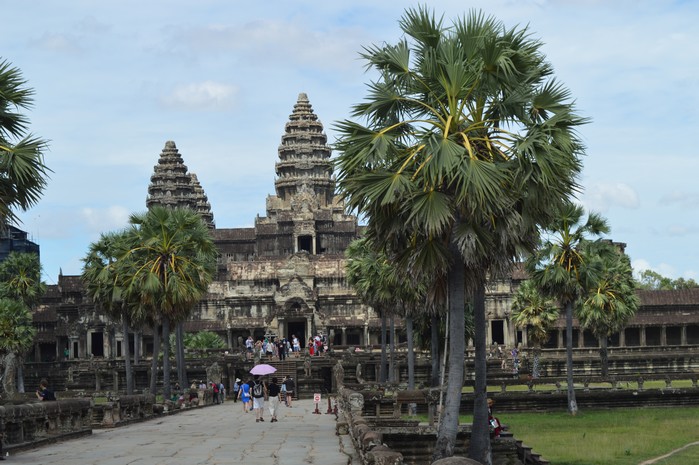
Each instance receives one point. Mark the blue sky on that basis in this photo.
(115, 80)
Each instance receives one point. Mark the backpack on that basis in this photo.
(257, 390)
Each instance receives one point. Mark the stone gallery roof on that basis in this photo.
(72, 283)
(237, 234)
(683, 297)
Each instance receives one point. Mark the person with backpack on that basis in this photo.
(236, 388)
(214, 388)
(44, 393)
(290, 386)
(259, 391)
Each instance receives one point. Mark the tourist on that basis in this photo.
(311, 346)
(290, 386)
(281, 349)
(295, 345)
(282, 392)
(249, 347)
(259, 391)
(244, 395)
(273, 391)
(44, 393)
(236, 388)
(222, 391)
(493, 422)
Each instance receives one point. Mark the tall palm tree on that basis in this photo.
(371, 274)
(20, 279)
(23, 174)
(16, 337)
(466, 145)
(536, 313)
(106, 289)
(562, 270)
(168, 268)
(611, 301)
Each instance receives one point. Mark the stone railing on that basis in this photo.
(367, 442)
(123, 409)
(36, 422)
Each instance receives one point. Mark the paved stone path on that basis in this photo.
(220, 434)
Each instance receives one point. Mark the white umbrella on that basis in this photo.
(262, 369)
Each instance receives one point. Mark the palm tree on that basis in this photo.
(467, 145)
(23, 174)
(16, 337)
(562, 270)
(20, 279)
(536, 313)
(168, 268)
(106, 289)
(372, 276)
(611, 301)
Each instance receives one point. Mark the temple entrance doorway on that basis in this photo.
(298, 329)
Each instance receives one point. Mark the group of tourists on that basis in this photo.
(255, 392)
(274, 348)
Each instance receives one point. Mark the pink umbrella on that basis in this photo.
(262, 369)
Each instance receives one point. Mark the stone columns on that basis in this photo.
(561, 344)
(683, 335)
(344, 336)
(642, 336)
(663, 335)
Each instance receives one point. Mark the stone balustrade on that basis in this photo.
(30, 423)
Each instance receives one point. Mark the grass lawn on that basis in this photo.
(609, 437)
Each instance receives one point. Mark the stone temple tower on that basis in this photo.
(171, 185)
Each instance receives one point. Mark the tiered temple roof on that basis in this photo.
(172, 186)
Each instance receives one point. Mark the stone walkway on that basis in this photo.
(220, 434)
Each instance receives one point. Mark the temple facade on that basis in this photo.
(286, 275)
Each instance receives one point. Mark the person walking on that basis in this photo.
(245, 397)
(290, 386)
(273, 390)
(236, 388)
(259, 391)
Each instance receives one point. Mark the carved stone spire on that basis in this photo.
(173, 187)
(202, 206)
(304, 157)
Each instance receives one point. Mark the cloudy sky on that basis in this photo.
(115, 80)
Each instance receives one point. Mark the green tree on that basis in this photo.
(611, 301)
(562, 270)
(371, 274)
(16, 337)
(535, 313)
(23, 174)
(106, 289)
(467, 145)
(653, 281)
(20, 279)
(168, 268)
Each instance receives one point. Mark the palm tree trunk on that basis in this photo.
(392, 359)
(10, 375)
(479, 447)
(127, 357)
(20, 373)
(181, 364)
(154, 362)
(137, 338)
(449, 424)
(411, 361)
(434, 350)
(572, 404)
(382, 368)
(166, 357)
(411, 353)
(604, 355)
(537, 364)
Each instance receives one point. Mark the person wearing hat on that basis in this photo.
(493, 422)
(236, 388)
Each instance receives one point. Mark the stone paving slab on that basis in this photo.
(220, 434)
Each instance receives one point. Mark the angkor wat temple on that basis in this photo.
(286, 274)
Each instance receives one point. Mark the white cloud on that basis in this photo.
(601, 196)
(207, 95)
(681, 199)
(104, 220)
(54, 42)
